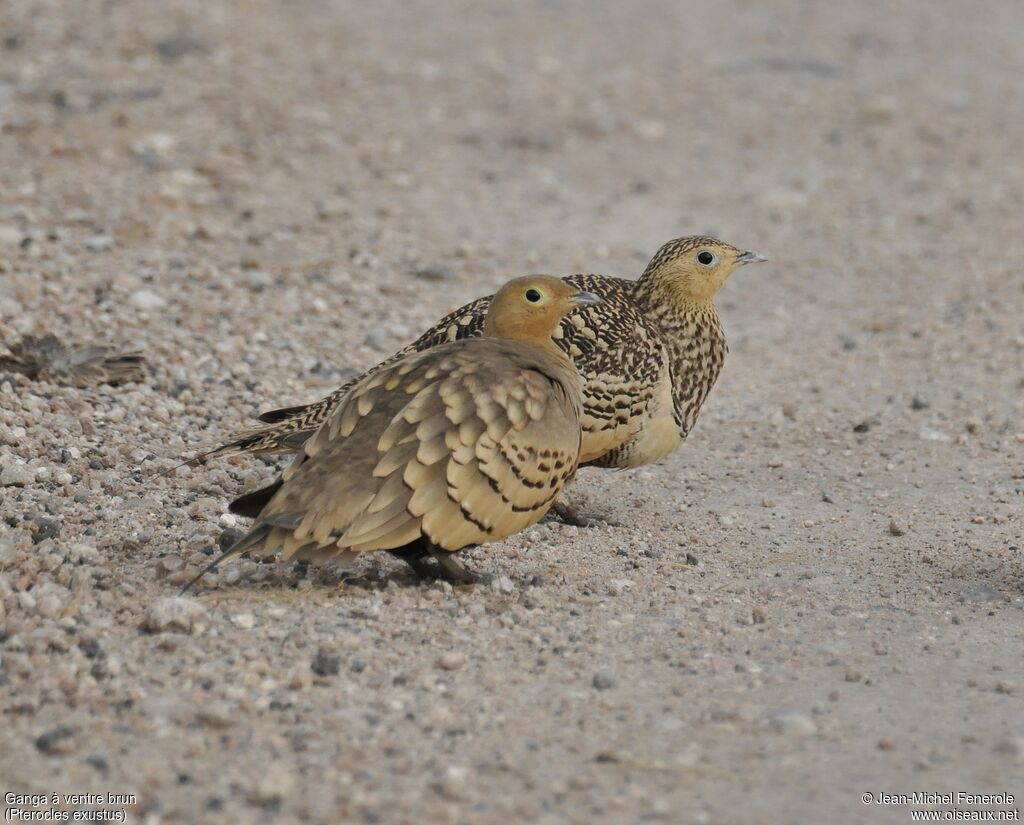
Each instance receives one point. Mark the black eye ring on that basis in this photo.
(706, 258)
(533, 295)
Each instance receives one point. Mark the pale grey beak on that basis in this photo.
(751, 258)
(586, 298)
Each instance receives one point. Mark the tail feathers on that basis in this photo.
(282, 414)
(251, 504)
(259, 441)
(255, 539)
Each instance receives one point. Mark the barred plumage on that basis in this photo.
(462, 444)
(649, 356)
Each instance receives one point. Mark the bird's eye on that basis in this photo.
(533, 295)
(706, 258)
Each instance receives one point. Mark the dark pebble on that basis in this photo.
(52, 742)
(692, 560)
(603, 681)
(863, 427)
(46, 529)
(653, 553)
(92, 650)
(919, 403)
(326, 665)
(177, 389)
(98, 762)
(357, 665)
(229, 537)
(178, 45)
(435, 273)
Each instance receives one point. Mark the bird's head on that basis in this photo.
(694, 268)
(531, 308)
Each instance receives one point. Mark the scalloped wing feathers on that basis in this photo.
(461, 444)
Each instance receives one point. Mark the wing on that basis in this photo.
(463, 445)
(621, 357)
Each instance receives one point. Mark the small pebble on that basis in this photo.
(174, 614)
(692, 560)
(45, 528)
(272, 785)
(324, 664)
(1006, 688)
(451, 660)
(229, 537)
(603, 680)
(616, 587)
(179, 45)
(758, 615)
(147, 300)
(897, 528)
(1012, 749)
(435, 273)
(854, 675)
(99, 243)
(792, 723)
(502, 584)
(57, 742)
(245, 621)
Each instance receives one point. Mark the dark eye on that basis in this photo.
(706, 258)
(533, 295)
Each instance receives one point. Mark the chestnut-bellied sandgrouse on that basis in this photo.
(464, 443)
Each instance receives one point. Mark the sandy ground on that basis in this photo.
(820, 596)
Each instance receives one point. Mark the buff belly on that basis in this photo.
(650, 438)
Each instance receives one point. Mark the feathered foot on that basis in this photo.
(568, 514)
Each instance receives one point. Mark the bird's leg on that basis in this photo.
(416, 557)
(451, 569)
(568, 514)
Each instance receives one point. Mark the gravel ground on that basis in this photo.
(821, 595)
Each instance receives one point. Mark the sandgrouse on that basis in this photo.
(465, 443)
(649, 355)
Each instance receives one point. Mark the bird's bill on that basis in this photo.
(583, 298)
(751, 258)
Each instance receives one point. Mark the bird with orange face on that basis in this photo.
(465, 443)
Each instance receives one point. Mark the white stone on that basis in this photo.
(147, 300)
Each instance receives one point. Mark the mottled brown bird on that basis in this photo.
(465, 443)
(649, 355)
